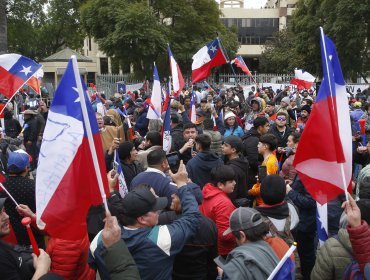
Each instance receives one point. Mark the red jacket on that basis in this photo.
(69, 258)
(360, 240)
(218, 207)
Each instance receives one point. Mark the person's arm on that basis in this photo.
(184, 115)
(359, 233)
(186, 226)
(301, 200)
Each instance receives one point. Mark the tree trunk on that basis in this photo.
(3, 28)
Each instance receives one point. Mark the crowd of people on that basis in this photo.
(227, 205)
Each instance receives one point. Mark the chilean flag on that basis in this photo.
(166, 133)
(324, 155)
(205, 59)
(155, 102)
(122, 186)
(35, 81)
(121, 88)
(66, 182)
(302, 79)
(239, 61)
(322, 222)
(15, 71)
(178, 82)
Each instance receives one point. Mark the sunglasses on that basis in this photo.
(281, 119)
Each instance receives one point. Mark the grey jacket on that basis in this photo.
(252, 261)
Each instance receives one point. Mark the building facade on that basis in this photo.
(256, 26)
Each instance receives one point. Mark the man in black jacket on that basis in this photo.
(232, 148)
(281, 130)
(260, 127)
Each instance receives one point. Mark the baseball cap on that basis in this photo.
(140, 201)
(2, 202)
(243, 218)
(235, 142)
(18, 161)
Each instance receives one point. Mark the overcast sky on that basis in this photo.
(252, 3)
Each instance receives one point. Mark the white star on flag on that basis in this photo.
(26, 70)
(78, 98)
(213, 48)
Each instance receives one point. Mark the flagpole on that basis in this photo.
(331, 96)
(88, 130)
(228, 60)
(282, 261)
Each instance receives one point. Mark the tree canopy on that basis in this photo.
(346, 22)
(39, 28)
(137, 32)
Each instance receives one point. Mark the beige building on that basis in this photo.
(256, 26)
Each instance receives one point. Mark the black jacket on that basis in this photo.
(177, 137)
(282, 139)
(240, 166)
(195, 261)
(306, 206)
(250, 151)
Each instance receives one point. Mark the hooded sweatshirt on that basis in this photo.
(218, 207)
(240, 166)
(199, 168)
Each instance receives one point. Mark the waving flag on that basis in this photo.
(66, 182)
(205, 59)
(124, 114)
(302, 79)
(15, 71)
(155, 102)
(35, 81)
(193, 116)
(178, 82)
(239, 61)
(322, 222)
(121, 87)
(325, 145)
(122, 186)
(167, 138)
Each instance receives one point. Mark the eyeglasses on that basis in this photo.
(281, 119)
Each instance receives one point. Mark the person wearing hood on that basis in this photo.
(256, 104)
(231, 125)
(216, 137)
(200, 166)
(218, 207)
(232, 148)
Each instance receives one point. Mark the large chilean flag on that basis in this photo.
(178, 82)
(324, 154)
(205, 59)
(66, 182)
(15, 71)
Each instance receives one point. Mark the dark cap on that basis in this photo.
(2, 202)
(139, 104)
(200, 113)
(235, 142)
(243, 218)
(140, 201)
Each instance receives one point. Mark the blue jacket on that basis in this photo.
(162, 186)
(306, 206)
(199, 167)
(154, 249)
(142, 123)
(238, 131)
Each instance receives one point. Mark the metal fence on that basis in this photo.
(256, 78)
(107, 82)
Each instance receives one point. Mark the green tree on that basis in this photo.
(3, 28)
(137, 32)
(38, 28)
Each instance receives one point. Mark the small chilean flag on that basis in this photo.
(178, 82)
(239, 61)
(15, 71)
(302, 79)
(207, 58)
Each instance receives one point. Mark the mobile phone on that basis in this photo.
(173, 161)
(262, 173)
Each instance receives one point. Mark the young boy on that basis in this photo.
(266, 147)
